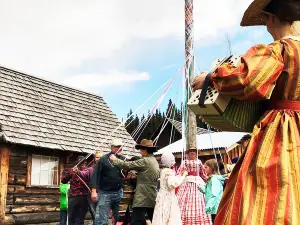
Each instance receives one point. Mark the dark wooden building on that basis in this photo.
(44, 127)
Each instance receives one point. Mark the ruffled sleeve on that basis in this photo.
(174, 181)
(256, 75)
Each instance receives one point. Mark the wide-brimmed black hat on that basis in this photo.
(146, 144)
(258, 11)
(254, 14)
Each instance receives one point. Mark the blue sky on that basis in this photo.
(121, 50)
(163, 58)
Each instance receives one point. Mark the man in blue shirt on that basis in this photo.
(108, 181)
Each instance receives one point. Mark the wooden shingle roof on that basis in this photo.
(40, 113)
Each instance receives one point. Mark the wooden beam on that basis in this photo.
(21, 190)
(32, 208)
(29, 166)
(36, 199)
(211, 152)
(4, 166)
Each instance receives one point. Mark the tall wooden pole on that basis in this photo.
(191, 128)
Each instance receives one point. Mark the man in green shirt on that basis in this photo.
(147, 179)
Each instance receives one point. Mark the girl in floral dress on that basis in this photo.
(191, 201)
(167, 211)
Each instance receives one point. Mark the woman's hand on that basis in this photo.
(182, 170)
(198, 81)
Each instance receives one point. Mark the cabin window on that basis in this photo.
(44, 170)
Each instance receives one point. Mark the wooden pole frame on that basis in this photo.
(191, 129)
(4, 168)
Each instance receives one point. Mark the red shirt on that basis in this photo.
(77, 187)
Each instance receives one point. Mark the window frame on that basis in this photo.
(29, 171)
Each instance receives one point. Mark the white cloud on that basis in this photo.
(112, 78)
(48, 37)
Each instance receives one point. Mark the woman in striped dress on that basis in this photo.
(264, 186)
(191, 200)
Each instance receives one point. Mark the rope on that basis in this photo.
(147, 119)
(209, 133)
(151, 112)
(122, 123)
(172, 128)
(84, 183)
(164, 124)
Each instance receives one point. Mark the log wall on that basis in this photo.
(27, 204)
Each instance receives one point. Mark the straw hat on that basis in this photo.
(254, 14)
(192, 149)
(145, 144)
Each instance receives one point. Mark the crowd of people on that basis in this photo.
(264, 185)
(99, 188)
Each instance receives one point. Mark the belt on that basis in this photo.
(285, 105)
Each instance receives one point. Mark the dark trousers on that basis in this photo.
(139, 215)
(127, 217)
(78, 208)
(63, 217)
(213, 217)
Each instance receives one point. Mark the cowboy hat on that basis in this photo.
(146, 144)
(192, 149)
(254, 14)
(258, 11)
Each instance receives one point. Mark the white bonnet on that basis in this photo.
(167, 159)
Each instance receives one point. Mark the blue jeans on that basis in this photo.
(63, 217)
(108, 200)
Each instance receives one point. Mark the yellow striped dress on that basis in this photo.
(264, 187)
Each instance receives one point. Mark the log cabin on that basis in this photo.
(43, 128)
